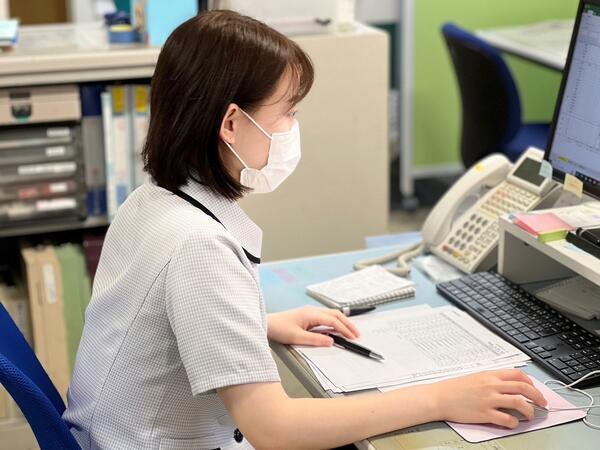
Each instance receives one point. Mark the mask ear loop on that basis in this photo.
(235, 153)
(257, 125)
(585, 394)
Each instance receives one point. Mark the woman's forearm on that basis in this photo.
(271, 419)
(325, 423)
(335, 422)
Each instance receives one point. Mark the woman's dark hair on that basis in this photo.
(210, 61)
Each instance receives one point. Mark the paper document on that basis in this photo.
(501, 366)
(583, 215)
(418, 343)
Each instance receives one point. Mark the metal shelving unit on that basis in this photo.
(47, 66)
(79, 62)
(54, 226)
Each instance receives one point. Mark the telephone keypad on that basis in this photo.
(479, 231)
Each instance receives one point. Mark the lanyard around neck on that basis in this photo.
(191, 200)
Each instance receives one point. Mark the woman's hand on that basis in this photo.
(476, 398)
(291, 327)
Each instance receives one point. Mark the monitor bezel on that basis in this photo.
(559, 175)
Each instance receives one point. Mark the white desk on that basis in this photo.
(284, 287)
(545, 43)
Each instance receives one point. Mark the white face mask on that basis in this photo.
(284, 155)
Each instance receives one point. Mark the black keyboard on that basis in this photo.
(558, 344)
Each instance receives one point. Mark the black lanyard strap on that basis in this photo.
(191, 200)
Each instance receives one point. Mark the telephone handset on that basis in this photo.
(470, 242)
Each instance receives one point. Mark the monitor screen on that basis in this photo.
(575, 145)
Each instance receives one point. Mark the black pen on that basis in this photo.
(588, 236)
(356, 311)
(351, 346)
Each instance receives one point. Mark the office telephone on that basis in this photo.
(470, 241)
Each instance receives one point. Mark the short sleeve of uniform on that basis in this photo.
(216, 313)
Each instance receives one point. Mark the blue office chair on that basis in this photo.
(28, 384)
(491, 109)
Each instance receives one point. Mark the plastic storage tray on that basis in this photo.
(35, 191)
(31, 211)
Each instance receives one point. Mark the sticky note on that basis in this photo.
(550, 236)
(546, 169)
(538, 223)
(574, 185)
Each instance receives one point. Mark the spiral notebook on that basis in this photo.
(370, 286)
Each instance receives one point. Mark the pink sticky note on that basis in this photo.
(480, 433)
(539, 223)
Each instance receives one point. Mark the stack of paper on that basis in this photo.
(582, 215)
(419, 344)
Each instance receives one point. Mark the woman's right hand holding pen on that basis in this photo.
(477, 398)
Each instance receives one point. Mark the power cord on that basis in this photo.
(570, 387)
(403, 257)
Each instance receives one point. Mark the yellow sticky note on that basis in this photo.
(574, 185)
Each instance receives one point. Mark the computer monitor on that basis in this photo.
(574, 141)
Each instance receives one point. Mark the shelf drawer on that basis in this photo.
(40, 172)
(36, 191)
(32, 211)
(37, 104)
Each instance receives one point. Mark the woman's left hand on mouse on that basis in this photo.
(292, 327)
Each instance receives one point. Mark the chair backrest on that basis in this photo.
(491, 109)
(29, 385)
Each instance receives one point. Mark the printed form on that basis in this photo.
(419, 344)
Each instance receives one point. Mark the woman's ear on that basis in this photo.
(229, 124)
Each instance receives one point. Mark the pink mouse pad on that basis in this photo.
(485, 432)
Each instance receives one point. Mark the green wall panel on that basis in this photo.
(437, 114)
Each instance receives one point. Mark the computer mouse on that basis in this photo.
(538, 413)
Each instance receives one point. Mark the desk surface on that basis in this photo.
(545, 43)
(283, 286)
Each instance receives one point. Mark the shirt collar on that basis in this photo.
(230, 214)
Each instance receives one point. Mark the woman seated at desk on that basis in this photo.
(174, 353)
